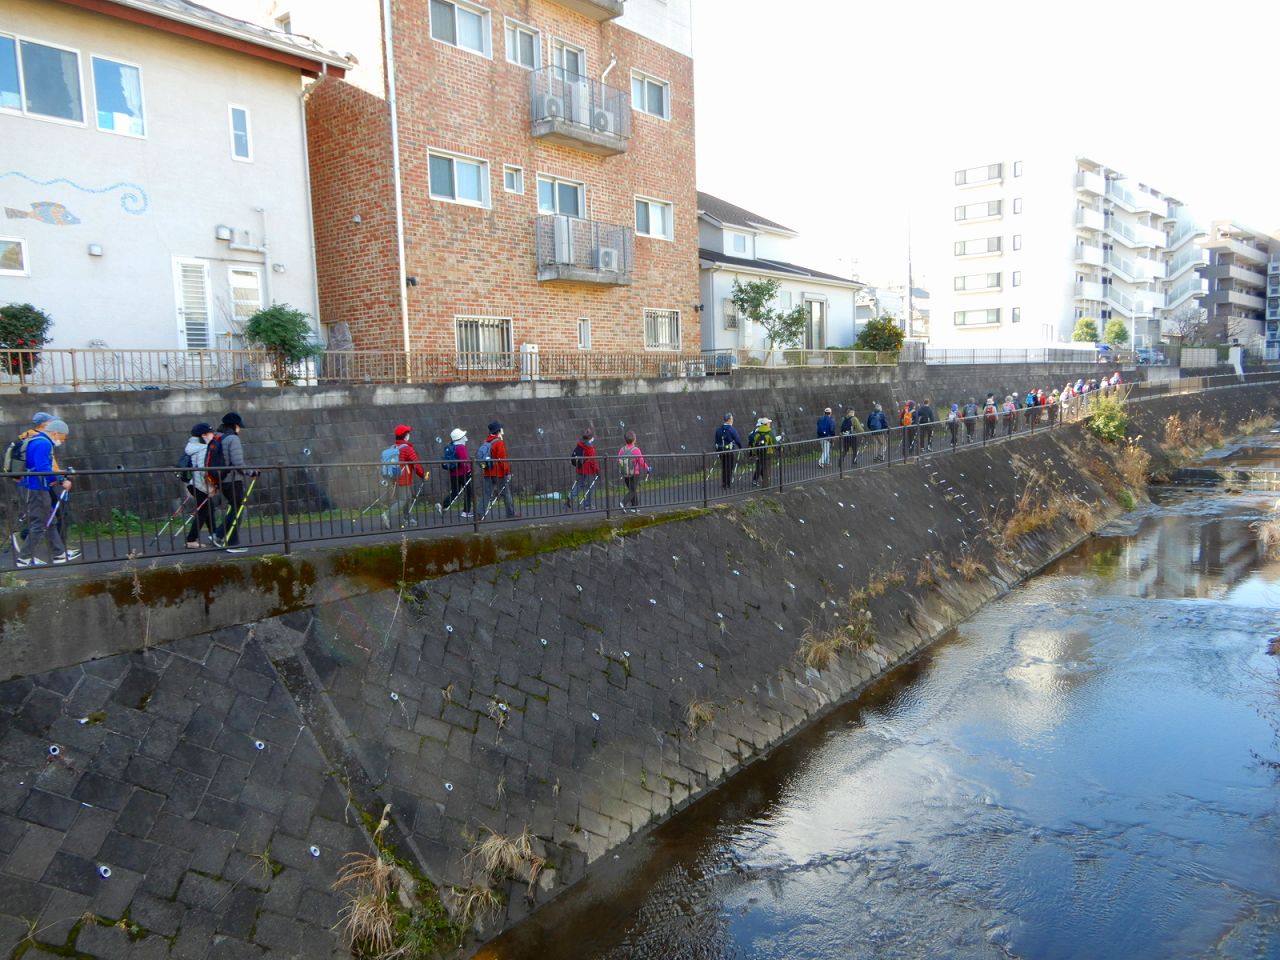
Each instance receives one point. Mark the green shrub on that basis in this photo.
(1109, 421)
(882, 335)
(285, 333)
(1127, 499)
(26, 328)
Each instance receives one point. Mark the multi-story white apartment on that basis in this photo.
(1243, 302)
(1039, 241)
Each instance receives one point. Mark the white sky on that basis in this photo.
(838, 118)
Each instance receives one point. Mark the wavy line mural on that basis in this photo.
(133, 199)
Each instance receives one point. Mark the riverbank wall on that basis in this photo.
(584, 691)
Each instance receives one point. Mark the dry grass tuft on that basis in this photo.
(1257, 423)
(1029, 515)
(1177, 434)
(816, 649)
(1273, 648)
(1082, 514)
(497, 714)
(894, 577)
(930, 573)
(969, 567)
(1133, 464)
(1268, 531)
(367, 921)
(472, 904)
(499, 856)
(699, 713)
(860, 632)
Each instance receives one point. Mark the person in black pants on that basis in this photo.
(231, 482)
(727, 441)
(197, 450)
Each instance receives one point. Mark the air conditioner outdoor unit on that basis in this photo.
(552, 108)
(579, 101)
(562, 232)
(604, 122)
(609, 259)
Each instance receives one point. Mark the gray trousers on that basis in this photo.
(35, 515)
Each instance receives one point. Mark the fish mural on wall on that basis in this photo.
(45, 211)
(133, 199)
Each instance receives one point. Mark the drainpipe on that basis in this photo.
(613, 62)
(389, 51)
(306, 179)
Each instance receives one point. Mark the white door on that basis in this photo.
(191, 288)
(246, 300)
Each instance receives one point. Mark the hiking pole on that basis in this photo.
(376, 502)
(506, 482)
(62, 498)
(156, 539)
(226, 538)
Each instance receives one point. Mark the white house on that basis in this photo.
(154, 184)
(736, 244)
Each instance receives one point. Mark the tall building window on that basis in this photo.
(729, 309)
(117, 91)
(1017, 241)
(977, 281)
(241, 137)
(650, 95)
(661, 329)
(976, 318)
(1017, 204)
(461, 25)
(513, 179)
(1017, 278)
(458, 179)
(564, 197)
(977, 211)
(48, 83)
(13, 257)
(983, 174)
(653, 218)
(1017, 168)
(1015, 315)
(976, 248)
(481, 335)
(584, 333)
(523, 45)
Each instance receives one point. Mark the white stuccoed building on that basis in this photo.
(154, 182)
(1031, 243)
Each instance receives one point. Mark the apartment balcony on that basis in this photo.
(1237, 298)
(1188, 258)
(1273, 308)
(1240, 249)
(1090, 183)
(1273, 268)
(1186, 290)
(1135, 235)
(598, 10)
(1088, 254)
(1090, 219)
(1236, 271)
(1136, 269)
(1089, 290)
(583, 251)
(1141, 304)
(579, 112)
(1182, 232)
(1136, 201)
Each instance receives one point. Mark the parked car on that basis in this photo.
(1150, 355)
(1105, 353)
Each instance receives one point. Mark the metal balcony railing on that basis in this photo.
(579, 112)
(583, 250)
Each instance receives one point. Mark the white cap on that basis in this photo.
(458, 435)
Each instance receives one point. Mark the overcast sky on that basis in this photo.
(839, 119)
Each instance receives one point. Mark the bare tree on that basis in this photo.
(1191, 324)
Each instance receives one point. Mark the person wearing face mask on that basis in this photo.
(39, 484)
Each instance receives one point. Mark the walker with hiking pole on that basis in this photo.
(585, 496)
(453, 498)
(506, 483)
(224, 542)
(173, 516)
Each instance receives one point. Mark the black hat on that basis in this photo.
(728, 417)
(232, 419)
(495, 426)
(200, 429)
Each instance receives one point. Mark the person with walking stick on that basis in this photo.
(727, 441)
(492, 457)
(196, 451)
(587, 465)
(458, 467)
(401, 474)
(225, 458)
(38, 484)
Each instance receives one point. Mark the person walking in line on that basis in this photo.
(225, 458)
(458, 467)
(726, 442)
(850, 427)
(906, 420)
(1010, 416)
(953, 424)
(970, 419)
(762, 441)
(989, 419)
(398, 514)
(826, 430)
(878, 426)
(587, 465)
(18, 464)
(41, 487)
(926, 418)
(492, 457)
(196, 452)
(632, 467)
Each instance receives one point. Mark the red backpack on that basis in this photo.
(214, 457)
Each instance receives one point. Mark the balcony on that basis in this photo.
(1137, 270)
(1090, 219)
(1090, 183)
(1181, 232)
(1136, 201)
(579, 112)
(1091, 255)
(1238, 298)
(1191, 257)
(1246, 276)
(1088, 290)
(1274, 267)
(1191, 287)
(1135, 235)
(1242, 249)
(598, 10)
(583, 251)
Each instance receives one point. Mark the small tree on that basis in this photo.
(23, 328)
(286, 335)
(754, 300)
(1190, 324)
(1115, 332)
(1086, 331)
(882, 335)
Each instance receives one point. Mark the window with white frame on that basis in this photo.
(739, 243)
(1017, 168)
(978, 211)
(569, 60)
(584, 333)
(461, 25)
(654, 218)
(1047, 332)
(1017, 204)
(977, 281)
(483, 335)
(246, 293)
(523, 45)
(1017, 241)
(1015, 315)
(241, 135)
(512, 179)
(13, 257)
(661, 329)
(1017, 278)
(729, 310)
(40, 80)
(565, 197)
(650, 95)
(983, 174)
(976, 318)
(458, 179)
(977, 248)
(117, 93)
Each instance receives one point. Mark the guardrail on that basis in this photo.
(137, 514)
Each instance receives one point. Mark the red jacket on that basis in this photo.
(408, 455)
(497, 465)
(589, 465)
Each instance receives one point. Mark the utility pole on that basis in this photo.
(910, 284)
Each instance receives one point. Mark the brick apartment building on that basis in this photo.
(546, 179)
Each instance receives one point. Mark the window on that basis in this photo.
(571, 61)
(512, 179)
(117, 91)
(1017, 241)
(974, 318)
(460, 25)
(650, 95)
(977, 211)
(241, 139)
(739, 243)
(13, 257)
(523, 45)
(653, 219)
(977, 281)
(246, 293)
(1015, 314)
(1017, 278)
(977, 248)
(982, 174)
(661, 329)
(1017, 204)
(490, 335)
(1017, 168)
(730, 313)
(284, 23)
(40, 80)
(584, 333)
(561, 196)
(458, 179)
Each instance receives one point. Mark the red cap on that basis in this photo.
(401, 430)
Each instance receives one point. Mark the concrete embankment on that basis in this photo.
(504, 687)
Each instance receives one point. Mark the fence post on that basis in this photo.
(604, 475)
(705, 474)
(284, 507)
(781, 461)
(75, 380)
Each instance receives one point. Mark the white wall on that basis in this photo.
(717, 286)
(668, 22)
(146, 201)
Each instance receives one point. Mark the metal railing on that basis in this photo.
(834, 357)
(948, 355)
(559, 96)
(138, 514)
(574, 249)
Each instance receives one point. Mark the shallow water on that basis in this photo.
(1087, 768)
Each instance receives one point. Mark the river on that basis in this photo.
(1089, 767)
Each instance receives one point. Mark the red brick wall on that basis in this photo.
(349, 147)
(481, 262)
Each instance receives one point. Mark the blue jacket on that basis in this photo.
(826, 426)
(877, 421)
(39, 460)
(727, 438)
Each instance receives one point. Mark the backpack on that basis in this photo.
(579, 456)
(15, 456)
(184, 466)
(906, 417)
(627, 464)
(214, 457)
(989, 414)
(391, 467)
(484, 453)
(450, 458)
